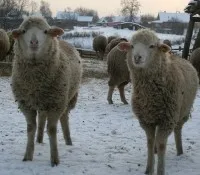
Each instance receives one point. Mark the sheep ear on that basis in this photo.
(16, 33)
(55, 31)
(124, 46)
(164, 48)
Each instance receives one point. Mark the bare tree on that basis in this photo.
(7, 6)
(33, 7)
(87, 12)
(22, 6)
(146, 18)
(45, 9)
(130, 8)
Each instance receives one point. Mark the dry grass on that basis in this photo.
(94, 68)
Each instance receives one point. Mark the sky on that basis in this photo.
(108, 7)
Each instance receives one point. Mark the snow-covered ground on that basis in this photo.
(107, 139)
(86, 42)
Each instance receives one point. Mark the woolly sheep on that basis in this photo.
(45, 80)
(113, 43)
(110, 38)
(117, 70)
(195, 60)
(164, 88)
(99, 45)
(167, 42)
(4, 44)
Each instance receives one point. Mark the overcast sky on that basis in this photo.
(107, 7)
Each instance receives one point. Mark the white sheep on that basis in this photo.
(164, 89)
(45, 80)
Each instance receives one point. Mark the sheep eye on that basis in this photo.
(23, 31)
(151, 46)
(132, 46)
(45, 31)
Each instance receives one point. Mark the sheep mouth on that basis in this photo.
(34, 48)
(138, 62)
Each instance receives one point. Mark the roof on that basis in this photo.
(85, 18)
(66, 15)
(178, 16)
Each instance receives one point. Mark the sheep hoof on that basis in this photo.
(110, 102)
(27, 158)
(179, 153)
(39, 140)
(69, 142)
(55, 162)
(148, 172)
(125, 102)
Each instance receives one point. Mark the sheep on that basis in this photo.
(46, 77)
(99, 45)
(194, 59)
(164, 88)
(4, 44)
(110, 38)
(10, 54)
(117, 70)
(113, 43)
(167, 42)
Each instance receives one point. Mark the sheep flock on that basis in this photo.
(47, 75)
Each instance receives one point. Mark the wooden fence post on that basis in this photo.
(188, 39)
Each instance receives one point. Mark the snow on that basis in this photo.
(107, 139)
(86, 42)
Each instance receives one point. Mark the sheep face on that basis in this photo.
(32, 41)
(143, 54)
(33, 37)
(143, 48)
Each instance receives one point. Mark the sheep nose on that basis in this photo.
(34, 42)
(137, 58)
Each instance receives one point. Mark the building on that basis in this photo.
(172, 23)
(84, 20)
(75, 18)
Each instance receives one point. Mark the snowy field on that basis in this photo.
(107, 139)
(86, 42)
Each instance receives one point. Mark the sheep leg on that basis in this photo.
(161, 141)
(110, 93)
(41, 125)
(150, 134)
(52, 121)
(64, 120)
(178, 139)
(97, 53)
(31, 129)
(101, 55)
(121, 92)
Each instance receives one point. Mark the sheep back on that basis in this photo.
(4, 44)
(117, 67)
(168, 42)
(113, 43)
(110, 38)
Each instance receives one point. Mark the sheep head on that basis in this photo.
(34, 34)
(143, 48)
